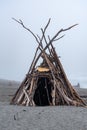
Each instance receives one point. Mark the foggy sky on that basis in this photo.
(17, 46)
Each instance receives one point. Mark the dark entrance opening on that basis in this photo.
(42, 96)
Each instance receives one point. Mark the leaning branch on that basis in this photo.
(62, 30)
(21, 22)
(55, 39)
(42, 50)
(47, 24)
(44, 30)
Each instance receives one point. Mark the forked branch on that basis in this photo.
(62, 30)
(21, 22)
(43, 32)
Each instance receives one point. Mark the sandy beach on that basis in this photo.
(42, 118)
(39, 118)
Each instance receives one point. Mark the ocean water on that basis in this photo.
(81, 80)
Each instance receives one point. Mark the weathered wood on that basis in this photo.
(61, 91)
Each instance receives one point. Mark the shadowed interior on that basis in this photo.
(42, 96)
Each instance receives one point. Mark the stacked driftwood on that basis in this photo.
(53, 82)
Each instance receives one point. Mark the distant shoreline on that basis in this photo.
(8, 89)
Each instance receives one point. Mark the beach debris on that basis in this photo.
(16, 116)
(46, 84)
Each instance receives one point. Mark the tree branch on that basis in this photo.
(45, 39)
(21, 22)
(59, 38)
(62, 30)
(44, 30)
(42, 50)
(55, 39)
(47, 24)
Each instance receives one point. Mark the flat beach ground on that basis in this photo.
(39, 118)
(42, 118)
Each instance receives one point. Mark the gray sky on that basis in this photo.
(17, 46)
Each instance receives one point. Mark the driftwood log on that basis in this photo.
(46, 84)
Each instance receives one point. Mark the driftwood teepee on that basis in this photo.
(46, 84)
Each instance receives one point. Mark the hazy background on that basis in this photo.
(17, 46)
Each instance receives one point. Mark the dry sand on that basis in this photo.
(42, 118)
(39, 118)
